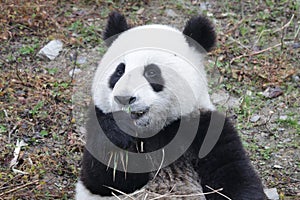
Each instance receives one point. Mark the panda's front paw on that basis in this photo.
(123, 141)
(121, 131)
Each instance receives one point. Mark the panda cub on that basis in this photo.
(151, 101)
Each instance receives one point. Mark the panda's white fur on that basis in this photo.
(184, 92)
(82, 193)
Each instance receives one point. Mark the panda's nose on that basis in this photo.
(125, 100)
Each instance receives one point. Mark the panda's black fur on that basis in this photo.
(200, 29)
(116, 25)
(227, 166)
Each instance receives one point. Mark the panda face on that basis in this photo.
(155, 87)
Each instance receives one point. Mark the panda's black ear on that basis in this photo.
(116, 24)
(202, 31)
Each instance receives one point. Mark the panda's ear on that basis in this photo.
(202, 31)
(116, 24)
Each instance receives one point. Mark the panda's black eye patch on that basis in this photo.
(152, 73)
(118, 73)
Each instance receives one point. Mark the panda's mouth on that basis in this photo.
(138, 113)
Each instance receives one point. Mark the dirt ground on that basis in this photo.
(258, 51)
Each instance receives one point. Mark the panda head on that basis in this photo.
(155, 73)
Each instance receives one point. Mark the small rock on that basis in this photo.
(82, 130)
(74, 35)
(277, 167)
(283, 117)
(254, 118)
(272, 92)
(51, 50)
(91, 19)
(228, 14)
(296, 45)
(222, 98)
(287, 140)
(296, 78)
(171, 13)
(74, 72)
(203, 6)
(140, 11)
(81, 60)
(272, 194)
(249, 93)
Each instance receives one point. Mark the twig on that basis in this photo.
(254, 53)
(145, 197)
(2, 185)
(164, 195)
(119, 191)
(74, 60)
(296, 34)
(268, 30)
(186, 195)
(3, 60)
(19, 188)
(161, 164)
(282, 40)
(116, 196)
(109, 160)
(116, 160)
(5, 113)
(124, 163)
(286, 25)
(12, 131)
(159, 196)
(234, 27)
(260, 35)
(18, 75)
(238, 42)
(223, 195)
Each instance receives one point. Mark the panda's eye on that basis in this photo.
(120, 69)
(120, 72)
(150, 73)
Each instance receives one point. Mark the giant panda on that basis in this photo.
(152, 93)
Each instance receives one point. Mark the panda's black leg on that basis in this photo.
(227, 166)
(238, 181)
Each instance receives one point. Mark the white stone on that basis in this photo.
(170, 13)
(51, 50)
(254, 118)
(74, 72)
(81, 60)
(277, 167)
(283, 117)
(222, 98)
(272, 194)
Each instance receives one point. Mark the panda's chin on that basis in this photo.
(141, 120)
(142, 123)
